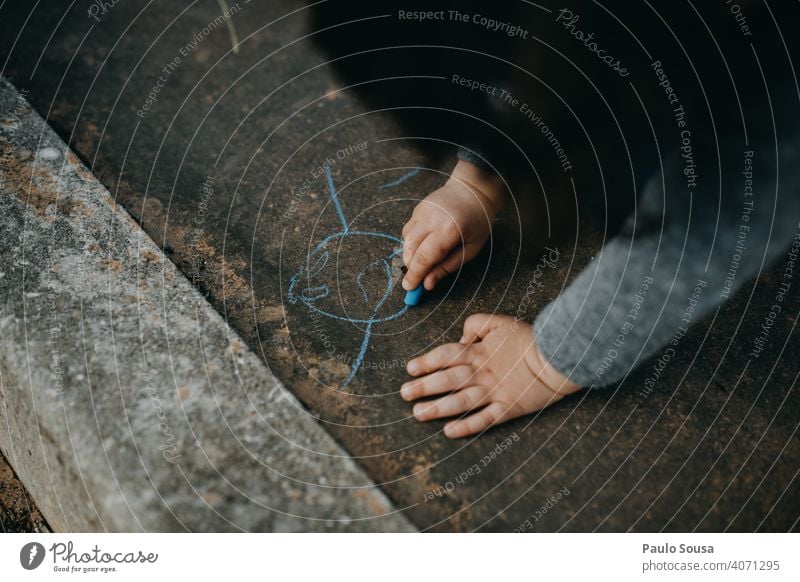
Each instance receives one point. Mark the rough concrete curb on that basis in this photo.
(128, 404)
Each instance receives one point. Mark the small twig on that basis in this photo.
(229, 23)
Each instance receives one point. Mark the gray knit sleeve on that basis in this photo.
(672, 264)
(474, 158)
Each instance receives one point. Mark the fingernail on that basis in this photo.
(448, 430)
(412, 367)
(419, 409)
(406, 285)
(463, 340)
(405, 391)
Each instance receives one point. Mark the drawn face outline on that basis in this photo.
(310, 295)
(323, 291)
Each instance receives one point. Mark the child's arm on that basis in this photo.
(451, 225)
(676, 262)
(671, 266)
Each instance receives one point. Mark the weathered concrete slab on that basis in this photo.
(127, 402)
(222, 171)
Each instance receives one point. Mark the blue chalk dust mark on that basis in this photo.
(320, 257)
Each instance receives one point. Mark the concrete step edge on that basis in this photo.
(127, 403)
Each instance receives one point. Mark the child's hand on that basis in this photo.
(495, 370)
(450, 226)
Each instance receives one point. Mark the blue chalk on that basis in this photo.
(415, 296)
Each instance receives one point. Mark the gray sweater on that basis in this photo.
(674, 262)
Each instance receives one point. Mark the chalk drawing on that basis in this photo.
(401, 179)
(318, 259)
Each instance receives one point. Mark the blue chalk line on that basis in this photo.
(335, 198)
(310, 295)
(401, 179)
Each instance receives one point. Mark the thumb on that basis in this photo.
(477, 326)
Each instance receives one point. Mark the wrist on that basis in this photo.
(490, 187)
(552, 379)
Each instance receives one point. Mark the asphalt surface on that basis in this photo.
(18, 512)
(222, 163)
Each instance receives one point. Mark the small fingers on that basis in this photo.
(412, 237)
(456, 403)
(491, 415)
(428, 254)
(444, 356)
(408, 227)
(438, 382)
(449, 265)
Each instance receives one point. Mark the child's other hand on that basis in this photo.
(450, 226)
(495, 372)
